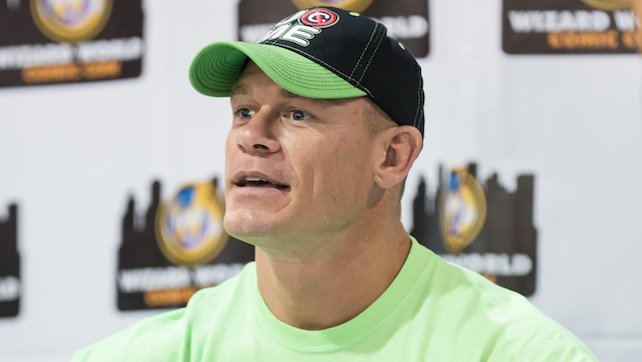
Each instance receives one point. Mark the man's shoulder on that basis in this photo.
(153, 336)
(167, 336)
(470, 307)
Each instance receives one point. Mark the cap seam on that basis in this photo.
(371, 57)
(414, 122)
(364, 49)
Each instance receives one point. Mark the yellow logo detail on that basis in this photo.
(463, 210)
(189, 227)
(70, 20)
(349, 5)
(609, 4)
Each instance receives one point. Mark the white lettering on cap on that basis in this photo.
(275, 32)
(289, 29)
(300, 34)
(281, 27)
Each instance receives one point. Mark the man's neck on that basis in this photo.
(322, 290)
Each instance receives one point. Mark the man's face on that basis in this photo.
(295, 167)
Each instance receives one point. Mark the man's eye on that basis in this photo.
(298, 115)
(244, 113)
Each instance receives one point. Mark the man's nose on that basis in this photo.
(259, 135)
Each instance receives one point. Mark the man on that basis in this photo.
(327, 122)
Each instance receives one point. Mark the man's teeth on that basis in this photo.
(259, 182)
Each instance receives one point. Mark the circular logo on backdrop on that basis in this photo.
(70, 20)
(350, 5)
(463, 210)
(189, 227)
(609, 4)
(319, 18)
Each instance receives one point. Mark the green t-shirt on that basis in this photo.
(432, 311)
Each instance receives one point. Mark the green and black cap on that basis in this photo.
(326, 53)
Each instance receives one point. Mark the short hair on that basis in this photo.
(377, 119)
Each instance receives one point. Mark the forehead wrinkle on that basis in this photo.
(239, 88)
(287, 94)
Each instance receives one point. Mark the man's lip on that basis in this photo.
(241, 178)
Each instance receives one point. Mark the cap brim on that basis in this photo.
(218, 66)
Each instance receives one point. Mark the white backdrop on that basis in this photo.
(70, 155)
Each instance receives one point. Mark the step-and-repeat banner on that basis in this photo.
(569, 27)
(406, 20)
(179, 246)
(55, 41)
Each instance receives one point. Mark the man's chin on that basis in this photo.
(248, 229)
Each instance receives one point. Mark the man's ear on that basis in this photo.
(401, 145)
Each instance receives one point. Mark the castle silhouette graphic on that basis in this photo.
(10, 285)
(505, 250)
(146, 279)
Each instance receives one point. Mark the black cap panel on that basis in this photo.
(357, 49)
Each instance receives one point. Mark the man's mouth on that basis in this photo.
(258, 181)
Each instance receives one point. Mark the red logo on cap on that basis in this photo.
(319, 18)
